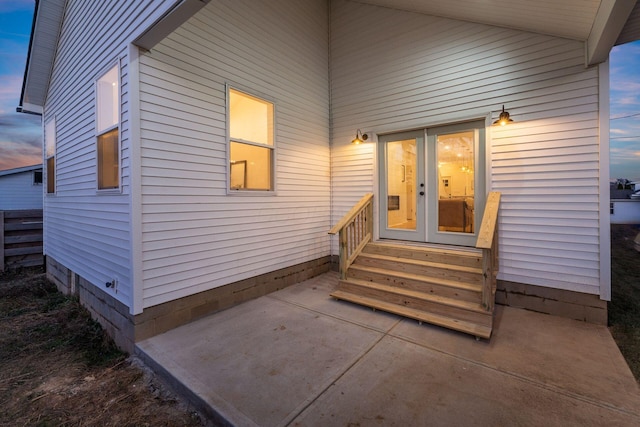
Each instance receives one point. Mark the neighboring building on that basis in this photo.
(623, 208)
(21, 188)
(198, 152)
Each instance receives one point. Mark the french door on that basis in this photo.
(432, 184)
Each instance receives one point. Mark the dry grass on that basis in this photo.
(624, 308)
(58, 368)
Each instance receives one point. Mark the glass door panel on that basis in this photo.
(401, 200)
(456, 190)
(455, 154)
(401, 168)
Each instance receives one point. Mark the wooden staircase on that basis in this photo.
(449, 287)
(438, 286)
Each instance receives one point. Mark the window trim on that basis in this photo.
(273, 147)
(100, 132)
(45, 163)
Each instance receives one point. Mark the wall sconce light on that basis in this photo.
(504, 118)
(360, 137)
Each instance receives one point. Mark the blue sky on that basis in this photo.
(20, 140)
(625, 111)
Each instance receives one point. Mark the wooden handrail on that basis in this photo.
(488, 242)
(354, 230)
(348, 217)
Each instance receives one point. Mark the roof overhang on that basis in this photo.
(600, 24)
(608, 24)
(167, 23)
(45, 31)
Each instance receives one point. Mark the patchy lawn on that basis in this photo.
(624, 308)
(57, 367)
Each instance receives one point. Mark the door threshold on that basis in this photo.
(428, 245)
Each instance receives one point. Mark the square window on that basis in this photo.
(251, 144)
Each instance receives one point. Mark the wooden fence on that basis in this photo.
(20, 239)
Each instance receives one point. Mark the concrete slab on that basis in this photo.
(297, 357)
(578, 357)
(261, 362)
(314, 295)
(402, 384)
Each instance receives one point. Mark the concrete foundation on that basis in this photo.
(127, 329)
(571, 305)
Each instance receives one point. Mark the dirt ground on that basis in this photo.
(57, 367)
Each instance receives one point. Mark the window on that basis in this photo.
(50, 155)
(251, 142)
(37, 177)
(107, 129)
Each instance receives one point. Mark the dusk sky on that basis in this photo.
(20, 134)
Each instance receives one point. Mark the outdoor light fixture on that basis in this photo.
(360, 137)
(504, 118)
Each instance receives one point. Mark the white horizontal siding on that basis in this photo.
(90, 233)
(393, 71)
(194, 236)
(17, 191)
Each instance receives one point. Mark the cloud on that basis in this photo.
(20, 140)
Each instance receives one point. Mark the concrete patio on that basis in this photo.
(297, 357)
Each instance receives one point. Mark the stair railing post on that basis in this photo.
(343, 253)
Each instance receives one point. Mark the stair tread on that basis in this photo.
(436, 319)
(451, 302)
(454, 267)
(466, 251)
(428, 279)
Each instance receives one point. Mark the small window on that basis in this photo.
(50, 155)
(251, 143)
(107, 129)
(37, 177)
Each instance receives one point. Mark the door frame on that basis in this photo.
(482, 180)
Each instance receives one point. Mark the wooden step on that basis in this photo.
(423, 268)
(468, 257)
(481, 331)
(429, 285)
(449, 307)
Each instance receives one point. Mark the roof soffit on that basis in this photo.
(570, 19)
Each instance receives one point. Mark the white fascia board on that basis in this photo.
(610, 19)
(178, 14)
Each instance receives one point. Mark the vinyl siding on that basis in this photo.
(17, 191)
(393, 71)
(194, 236)
(87, 231)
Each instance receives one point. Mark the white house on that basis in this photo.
(21, 188)
(197, 152)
